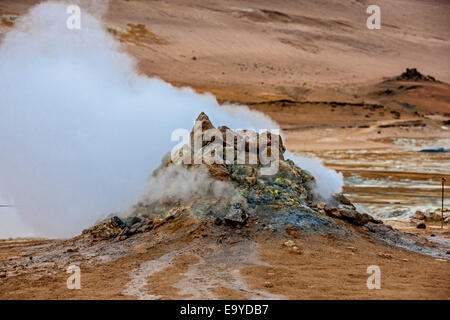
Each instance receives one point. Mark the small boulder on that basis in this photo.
(433, 215)
(219, 172)
(321, 205)
(333, 212)
(289, 243)
(130, 221)
(356, 218)
(419, 215)
(117, 222)
(236, 216)
(421, 225)
(296, 250)
(344, 200)
(239, 172)
(349, 215)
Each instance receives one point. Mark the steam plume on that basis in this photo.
(80, 129)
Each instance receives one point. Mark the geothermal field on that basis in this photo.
(224, 150)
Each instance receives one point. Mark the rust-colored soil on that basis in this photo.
(326, 268)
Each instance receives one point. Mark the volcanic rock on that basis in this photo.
(413, 75)
(296, 250)
(421, 225)
(229, 137)
(321, 205)
(344, 200)
(130, 221)
(219, 172)
(289, 243)
(333, 212)
(116, 221)
(202, 124)
(357, 218)
(419, 215)
(432, 215)
(236, 215)
(282, 199)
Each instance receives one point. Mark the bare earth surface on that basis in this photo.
(314, 68)
(208, 264)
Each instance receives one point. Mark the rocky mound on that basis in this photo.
(430, 215)
(262, 199)
(413, 75)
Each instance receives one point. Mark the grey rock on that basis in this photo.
(218, 221)
(130, 221)
(116, 221)
(236, 216)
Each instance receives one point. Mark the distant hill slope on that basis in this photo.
(268, 47)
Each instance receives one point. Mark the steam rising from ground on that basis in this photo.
(80, 129)
(179, 184)
(328, 181)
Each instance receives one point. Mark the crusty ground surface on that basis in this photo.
(325, 268)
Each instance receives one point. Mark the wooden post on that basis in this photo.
(442, 203)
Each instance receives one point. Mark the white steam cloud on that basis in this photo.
(80, 129)
(176, 183)
(328, 181)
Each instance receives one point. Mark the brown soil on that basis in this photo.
(333, 269)
(326, 268)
